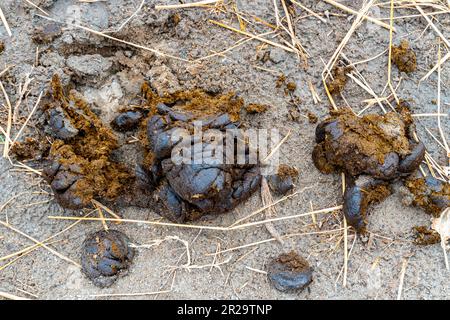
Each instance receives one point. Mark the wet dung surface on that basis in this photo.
(80, 168)
(379, 148)
(188, 190)
(105, 256)
(283, 181)
(289, 272)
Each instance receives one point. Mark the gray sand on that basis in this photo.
(109, 75)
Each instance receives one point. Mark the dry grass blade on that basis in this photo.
(5, 23)
(308, 10)
(9, 122)
(267, 199)
(132, 16)
(23, 254)
(447, 56)
(274, 239)
(190, 226)
(102, 217)
(39, 243)
(275, 149)
(102, 34)
(442, 226)
(6, 70)
(443, 60)
(186, 5)
(10, 296)
(22, 92)
(299, 49)
(444, 140)
(368, 90)
(277, 15)
(337, 53)
(37, 7)
(35, 246)
(349, 10)
(254, 213)
(390, 53)
(252, 36)
(402, 278)
(136, 294)
(344, 278)
(29, 117)
(108, 210)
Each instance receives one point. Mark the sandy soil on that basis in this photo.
(112, 78)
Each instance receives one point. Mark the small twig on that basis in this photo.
(402, 278)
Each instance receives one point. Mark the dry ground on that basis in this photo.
(386, 266)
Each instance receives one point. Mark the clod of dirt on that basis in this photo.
(337, 82)
(291, 86)
(105, 256)
(380, 147)
(256, 108)
(312, 117)
(186, 190)
(289, 272)
(2, 47)
(46, 33)
(283, 181)
(426, 236)
(30, 148)
(429, 193)
(89, 65)
(80, 168)
(281, 80)
(404, 57)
